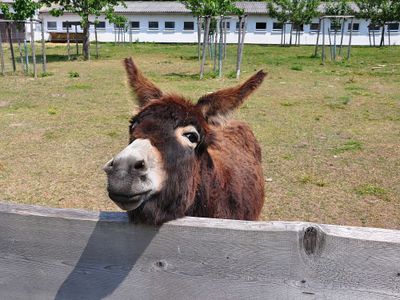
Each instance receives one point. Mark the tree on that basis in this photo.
(208, 10)
(337, 8)
(379, 12)
(85, 9)
(296, 12)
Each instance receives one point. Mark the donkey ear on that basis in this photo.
(222, 102)
(144, 89)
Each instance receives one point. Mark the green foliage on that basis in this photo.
(85, 8)
(23, 9)
(212, 7)
(295, 11)
(337, 8)
(118, 20)
(378, 11)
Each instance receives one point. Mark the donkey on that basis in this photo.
(186, 159)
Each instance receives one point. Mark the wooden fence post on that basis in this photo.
(1, 55)
(33, 50)
(11, 46)
(68, 43)
(44, 62)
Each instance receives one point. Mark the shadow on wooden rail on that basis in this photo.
(72, 254)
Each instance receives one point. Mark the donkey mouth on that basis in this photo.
(128, 202)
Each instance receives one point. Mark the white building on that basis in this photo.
(171, 22)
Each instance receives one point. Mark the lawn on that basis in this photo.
(330, 133)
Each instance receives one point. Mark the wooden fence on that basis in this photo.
(71, 254)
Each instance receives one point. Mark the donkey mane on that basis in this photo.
(206, 167)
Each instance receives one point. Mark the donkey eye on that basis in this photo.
(193, 137)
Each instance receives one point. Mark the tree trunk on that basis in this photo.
(199, 20)
(205, 41)
(1, 56)
(97, 43)
(68, 43)
(221, 42)
(216, 32)
(238, 47)
(242, 28)
(11, 46)
(382, 43)
(21, 58)
(44, 59)
(291, 34)
(86, 41)
(33, 51)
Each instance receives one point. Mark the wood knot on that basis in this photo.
(161, 264)
(312, 240)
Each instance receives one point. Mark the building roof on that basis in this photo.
(160, 7)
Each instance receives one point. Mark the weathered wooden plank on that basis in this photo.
(70, 254)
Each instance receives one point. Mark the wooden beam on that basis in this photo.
(72, 254)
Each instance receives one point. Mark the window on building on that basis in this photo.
(153, 25)
(298, 27)
(188, 25)
(393, 26)
(71, 25)
(237, 26)
(101, 25)
(169, 25)
(119, 26)
(261, 26)
(373, 27)
(227, 24)
(314, 27)
(356, 27)
(135, 25)
(277, 26)
(335, 26)
(51, 25)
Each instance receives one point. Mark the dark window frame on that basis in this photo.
(51, 28)
(314, 27)
(186, 23)
(100, 27)
(237, 26)
(228, 23)
(397, 25)
(280, 26)
(71, 25)
(169, 23)
(153, 28)
(135, 27)
(261, 29)
(356, 27)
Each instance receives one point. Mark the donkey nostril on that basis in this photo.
(139, 165)
(109, 166)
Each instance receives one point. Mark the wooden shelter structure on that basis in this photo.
(50, 253)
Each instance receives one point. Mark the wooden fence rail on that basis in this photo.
(72, 254)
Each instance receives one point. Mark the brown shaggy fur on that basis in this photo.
(222, 177)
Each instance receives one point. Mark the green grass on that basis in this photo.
(327, 132)
(371, 190)
(348, 146)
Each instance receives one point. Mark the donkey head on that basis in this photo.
(160, 169)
